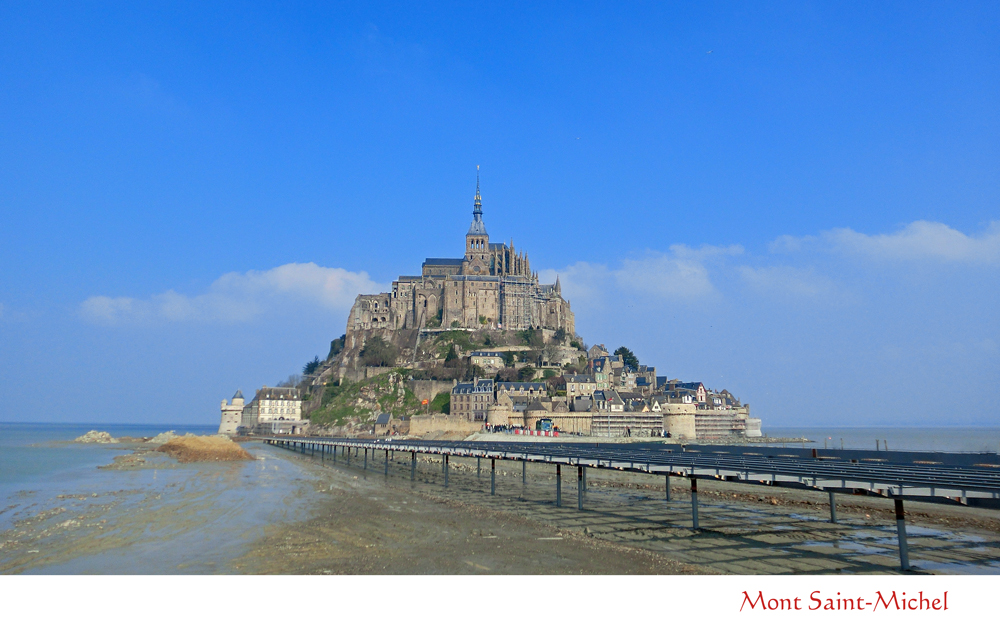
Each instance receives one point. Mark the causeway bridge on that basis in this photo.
(945, 478)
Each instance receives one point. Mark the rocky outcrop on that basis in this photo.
(162, 438)
(95, 436)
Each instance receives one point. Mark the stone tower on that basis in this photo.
(232, 413)
(477, 242)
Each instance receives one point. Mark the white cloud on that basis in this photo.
(787, 280)
(665, 276)
(789, 243)
(238, 297)
(924, 240)
(920, 240)
(678, 274)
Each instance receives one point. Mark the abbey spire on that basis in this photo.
(477, 227)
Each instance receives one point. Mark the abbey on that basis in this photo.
(492, 286)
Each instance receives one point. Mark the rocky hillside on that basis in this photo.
(354, 406)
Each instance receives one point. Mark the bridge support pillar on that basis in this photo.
(386, 462)
(833, 507)
(667, 479)
(322, 454)
(347, 454)
(524, 472)
(445, 469)
(584, 478)
(904, 555)
(413, 465)
(334, 454)
(479, 468)
(579, 487)
(694, 503)
(558, 485)
(312, 450)
(493, 476)
(366, 458)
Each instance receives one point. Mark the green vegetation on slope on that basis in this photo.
(362, 401)
(441, 403)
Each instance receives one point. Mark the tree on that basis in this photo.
(628, 357)
(378, 353)
(311, 366)
(532, 337)
(336, 346)
(559, 336)
(452, 355)
(507, 374)
(526, 374)
(292, 381)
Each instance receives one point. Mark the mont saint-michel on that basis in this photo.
(478, 342)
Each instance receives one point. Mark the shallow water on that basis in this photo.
(60, 514)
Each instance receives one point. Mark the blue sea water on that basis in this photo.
(61, 514)
(956, 439)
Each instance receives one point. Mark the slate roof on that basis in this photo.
(468, 388)
(477, 227)
(383, 419)
(521, 386)
(693, 386)
(444, 261)
(269, 392)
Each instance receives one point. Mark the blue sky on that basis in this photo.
(794, 201)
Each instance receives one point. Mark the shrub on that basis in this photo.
(311, 366)
(336, 346)
(378, 353)
(628, 357)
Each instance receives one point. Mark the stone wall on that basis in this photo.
(568, 422)
(425, 424)
(678, 421)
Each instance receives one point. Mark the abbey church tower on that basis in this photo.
(477, 242)
(491, 287)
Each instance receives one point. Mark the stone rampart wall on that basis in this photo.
(425, 424)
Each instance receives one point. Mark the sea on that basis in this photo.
(61, 514)
(958, 439)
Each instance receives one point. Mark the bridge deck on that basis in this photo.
(892, 479)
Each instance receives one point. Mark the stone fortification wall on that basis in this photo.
(716, 424)
(679, 422)
(425, 424)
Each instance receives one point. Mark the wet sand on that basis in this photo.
(368, 526)
(371, 524)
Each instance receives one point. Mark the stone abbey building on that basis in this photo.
(492, 286)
